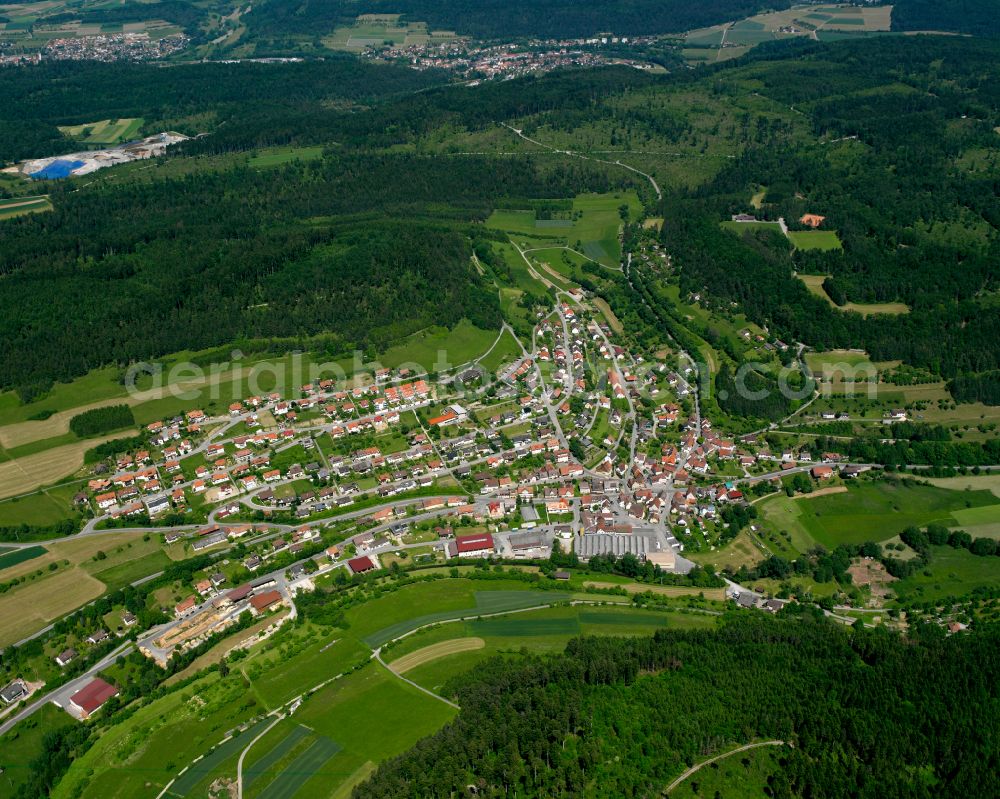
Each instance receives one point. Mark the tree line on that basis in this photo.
(867, 713)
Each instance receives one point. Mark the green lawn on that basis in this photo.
(282, 155)
(140, 755)
(302, 660)
(506, 351)
(373, 715)
(41, 508)
(21, 745)
(437, 347)
(126, 573)
(951, 572)
(815, 239)
(593, 225)
(870, 511)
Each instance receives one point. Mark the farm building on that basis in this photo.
(92, 698)
(471, 546)
(262, 602)
(530, 545)
(607, 544)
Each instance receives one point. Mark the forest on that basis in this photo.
(272, 21)
(146, 269)
(896, 198)
(101, 420)
(193, 98)
(880, 146)
(974, 17)
(865, 713)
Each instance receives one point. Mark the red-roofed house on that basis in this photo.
(360, 565)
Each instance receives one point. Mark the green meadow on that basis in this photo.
(871, 511)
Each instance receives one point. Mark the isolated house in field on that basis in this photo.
(92, 698)
(812, 220)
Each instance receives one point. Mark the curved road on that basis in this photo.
(711, 760)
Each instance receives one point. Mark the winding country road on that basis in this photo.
(711, 760)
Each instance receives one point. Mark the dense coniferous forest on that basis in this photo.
(101, 420)
(142, 270)
(892, 145)
(975, 17)
(506, 19)
(865, 713)
(35, 100)
(890, 122)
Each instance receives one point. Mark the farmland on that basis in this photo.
(870, 511)
(442, 654)
(589, 225)
(105, 132)
(31, 606)
(825, 22)
(347, 726)
(950, 572)
(815, 284)
(384, 30)
(18, 556)
(18, 206)
(67, 574)
(366, 717)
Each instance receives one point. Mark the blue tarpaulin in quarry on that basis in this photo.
(57, 169)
